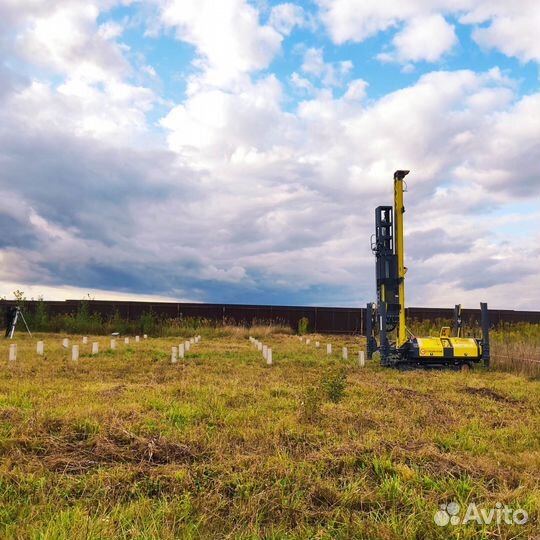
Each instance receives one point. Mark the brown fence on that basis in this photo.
(325, 320)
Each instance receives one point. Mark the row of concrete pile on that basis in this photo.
(266, 351)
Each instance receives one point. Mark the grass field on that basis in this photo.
(125, 444)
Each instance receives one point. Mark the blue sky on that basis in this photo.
(234, 151)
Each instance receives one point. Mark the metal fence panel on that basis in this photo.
(325, 320)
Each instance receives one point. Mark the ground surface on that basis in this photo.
(126, 445)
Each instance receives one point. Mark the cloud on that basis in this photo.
(356, 90)
(511, 27)
(306, 220)
(67, 40)
(227, 36)
(301, 83)
(330, 74)
(93, 92)
(506, 26)
(111, 110)
(428, 243)
(214, 121)
(285, 17)
(355, 20)
(275, 203)
(423, 38)
(243, 194)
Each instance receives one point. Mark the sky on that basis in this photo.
(234, 151)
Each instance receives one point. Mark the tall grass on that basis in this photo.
(515, 348)
(86, 321)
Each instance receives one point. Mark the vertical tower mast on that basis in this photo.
(399, 210)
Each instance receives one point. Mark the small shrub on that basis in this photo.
(334, 384)
(41, 315)
(149, 323)
(20, 298)
(117, 324)
(310, 405)
(303, 325)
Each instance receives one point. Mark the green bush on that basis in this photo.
(303, 325)
(334, 384)
(40, 317)
(149, 323)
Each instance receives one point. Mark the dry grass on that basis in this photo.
(259, 331)
(516, 349)
(126, 445)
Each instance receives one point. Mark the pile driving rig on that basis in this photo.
(398, 347)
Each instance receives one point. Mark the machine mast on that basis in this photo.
(399, 210)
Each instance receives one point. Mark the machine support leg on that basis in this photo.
(484, 315)
(370, 340)
(384, 345)
(458, 323)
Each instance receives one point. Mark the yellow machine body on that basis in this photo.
(448, 347)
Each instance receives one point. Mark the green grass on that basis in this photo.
(126, 445)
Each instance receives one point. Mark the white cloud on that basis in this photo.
(213, 123)
(301, 83)
(330, 74)
(511, 26)
(67, 40)
(83, 82)
(149, 70)
(114, 111)
(110, 30)
(513, 35)
(356, 20)
(407, 68)
(33, 291)
(285, 17)
(356, 90)
(422, 38)
(226, 34)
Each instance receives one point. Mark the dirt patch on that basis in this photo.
(242, 399)
(428, 457)
(62, 454)
(297, 443)
(113, 392)
(324, 496)
(404, 392)
(488, 393)
(10, 414)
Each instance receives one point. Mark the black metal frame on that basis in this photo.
(371, 342)
(458, 321)
(386, 266)
(484, 313)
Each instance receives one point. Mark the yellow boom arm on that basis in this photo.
(399, 210)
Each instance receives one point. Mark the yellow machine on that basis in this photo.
(397, 345)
